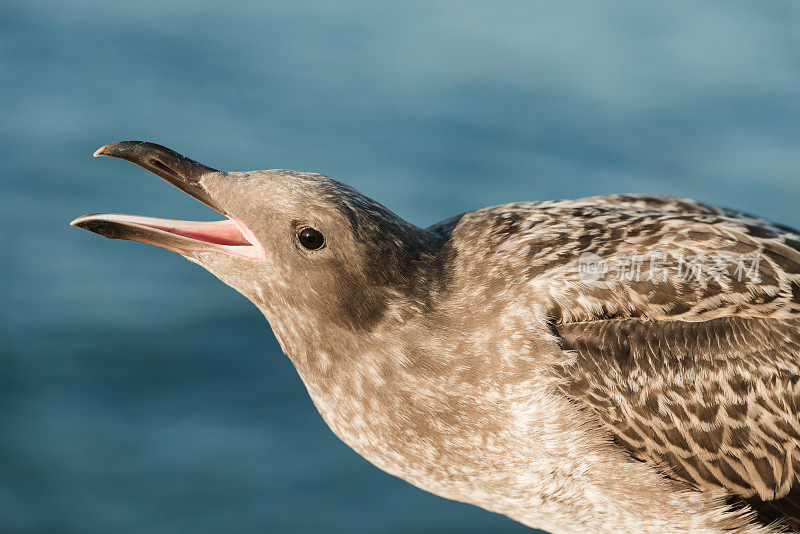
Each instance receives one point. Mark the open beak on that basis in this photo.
(228, 236)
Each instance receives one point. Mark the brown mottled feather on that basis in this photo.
(711, 394)
(715, 400)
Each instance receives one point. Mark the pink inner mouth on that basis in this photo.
(228, 236)
(225, 232)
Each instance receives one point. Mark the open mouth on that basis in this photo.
(228, 236)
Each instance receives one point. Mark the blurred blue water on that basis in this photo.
(137, 393)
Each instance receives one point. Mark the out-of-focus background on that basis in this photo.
(138, 393)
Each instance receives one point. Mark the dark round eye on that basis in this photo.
(310, 238)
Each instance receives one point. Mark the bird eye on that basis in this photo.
(310, 238)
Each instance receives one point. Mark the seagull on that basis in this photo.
(619, 363)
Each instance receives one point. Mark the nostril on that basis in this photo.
(162, 167)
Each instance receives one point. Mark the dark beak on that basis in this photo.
(228, 236)
(176, 169)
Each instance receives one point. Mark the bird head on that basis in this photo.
(312, 253)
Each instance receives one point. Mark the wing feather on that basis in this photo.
(711, 403)
(697, 375)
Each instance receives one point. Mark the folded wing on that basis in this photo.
(697, 375)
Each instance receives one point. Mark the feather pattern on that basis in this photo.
(698, 378)
(715, 401)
